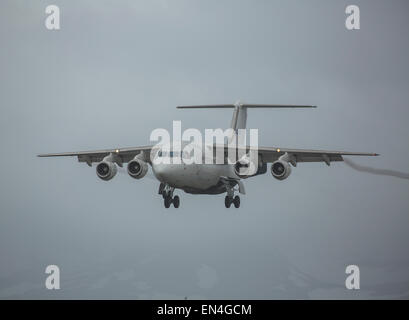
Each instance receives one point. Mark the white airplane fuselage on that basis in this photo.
(198, 176)
(190, 176)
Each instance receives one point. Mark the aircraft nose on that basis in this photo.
(170, 173)
(160, 171)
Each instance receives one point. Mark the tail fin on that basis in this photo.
(239, 118)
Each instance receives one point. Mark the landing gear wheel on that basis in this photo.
(167, 201)
(176, 201)
(236, 201)
(227, 201)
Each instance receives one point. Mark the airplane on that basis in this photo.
(205, 178)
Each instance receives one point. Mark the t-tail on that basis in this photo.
(239, 118)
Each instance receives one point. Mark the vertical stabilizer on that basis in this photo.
(239, 118)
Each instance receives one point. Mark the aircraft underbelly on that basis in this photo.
(197, 176)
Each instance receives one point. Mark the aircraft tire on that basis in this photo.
(236, 201)
(227, 201)
(167, 201)
(176, 201)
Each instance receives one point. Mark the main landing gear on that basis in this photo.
(228, 200)
(168, 198)
(167, 201)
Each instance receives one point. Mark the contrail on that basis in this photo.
(382, 172)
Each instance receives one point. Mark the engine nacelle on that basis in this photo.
(280, 169)
(106, 170)
(241, 167)
(137, 168)
(244, 167)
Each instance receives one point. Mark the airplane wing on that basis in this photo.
(123, 154)
(271, 154)
(267, 154)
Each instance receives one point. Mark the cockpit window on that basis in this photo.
(171, 154)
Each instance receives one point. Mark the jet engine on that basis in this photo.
(240, 167)
(106, 170)
(137, 168)
(244, 167)
(280, 169)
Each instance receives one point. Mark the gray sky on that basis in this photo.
(117, 69)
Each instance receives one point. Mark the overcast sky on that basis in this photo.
(117, 69)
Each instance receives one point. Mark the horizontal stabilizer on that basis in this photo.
(219, 106)
(239, 119)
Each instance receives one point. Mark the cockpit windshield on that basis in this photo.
(170, 154)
